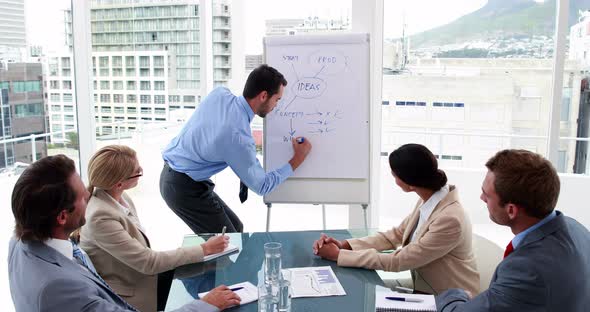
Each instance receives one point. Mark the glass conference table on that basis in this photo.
(244, 265)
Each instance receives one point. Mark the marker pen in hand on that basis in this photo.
(300, 140)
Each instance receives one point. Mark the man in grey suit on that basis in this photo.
(547, 264)
(47, 272)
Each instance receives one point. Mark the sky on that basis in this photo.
(45, 18)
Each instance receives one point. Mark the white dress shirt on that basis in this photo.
(428, 206)
(65, 248)
(126, 211)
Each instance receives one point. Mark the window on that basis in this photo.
(159, 85)
(26, 86)
(145, 99)
(117, 61)
(144, 72)
(160, 99)
(130, 61)
(67, 84)
(55, 108)
(67, 97)
(55, 97)
(130, 85)
(436, 91)
(131, 110)
(117, 72)
(105, 98)
(189, 99)
(117, 85)
(144, 61)
(146, 110)
(158, 61)
(145, 85)
(105, 85)
(117, 98)
(28, 110)
(103, 61)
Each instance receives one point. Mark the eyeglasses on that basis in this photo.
(136, 175)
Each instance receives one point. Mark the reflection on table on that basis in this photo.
(245, 265)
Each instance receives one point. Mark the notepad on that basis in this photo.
(381, 304)
(229, 249)
(247, 294)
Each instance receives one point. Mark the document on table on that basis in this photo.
(315, 282)
(247, 293)
(229, 249)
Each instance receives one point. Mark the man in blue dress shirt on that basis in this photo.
(216, 136)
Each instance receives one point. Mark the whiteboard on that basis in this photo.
(327, 101)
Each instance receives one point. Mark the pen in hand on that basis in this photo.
(223, 230)
(404, 299)
(236, 288)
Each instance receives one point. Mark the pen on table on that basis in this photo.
(223, 230)
(236, 288)
(404, 299)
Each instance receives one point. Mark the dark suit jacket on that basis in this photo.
(548, 271)
(42, 279)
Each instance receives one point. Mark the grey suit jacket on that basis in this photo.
(548, 271)
(42, 279)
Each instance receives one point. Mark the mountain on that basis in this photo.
(500, 19)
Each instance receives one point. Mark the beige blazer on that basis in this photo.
(121, 252)
(440, 257)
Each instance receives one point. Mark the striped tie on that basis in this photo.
(81, 259)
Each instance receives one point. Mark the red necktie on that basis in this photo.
(508, 250)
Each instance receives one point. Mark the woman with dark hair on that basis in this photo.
(434, 241)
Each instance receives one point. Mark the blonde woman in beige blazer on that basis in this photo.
(434, 241)
(117, 244)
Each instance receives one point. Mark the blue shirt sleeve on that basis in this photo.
(241, 157)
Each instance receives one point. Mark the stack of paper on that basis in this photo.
(426, 302)
(229, 249)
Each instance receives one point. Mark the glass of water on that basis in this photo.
(272, 262)
(268, 298)
(284, 304)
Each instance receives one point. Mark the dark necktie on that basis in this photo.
(508, 250)
(243, 192)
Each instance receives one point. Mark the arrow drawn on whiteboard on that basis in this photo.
(319, 122)
(287, 106)
(292, 132)
(295, 71)
(316, 113)
(319, 71)
(317, 131)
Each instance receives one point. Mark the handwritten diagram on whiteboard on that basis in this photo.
(326, 101)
